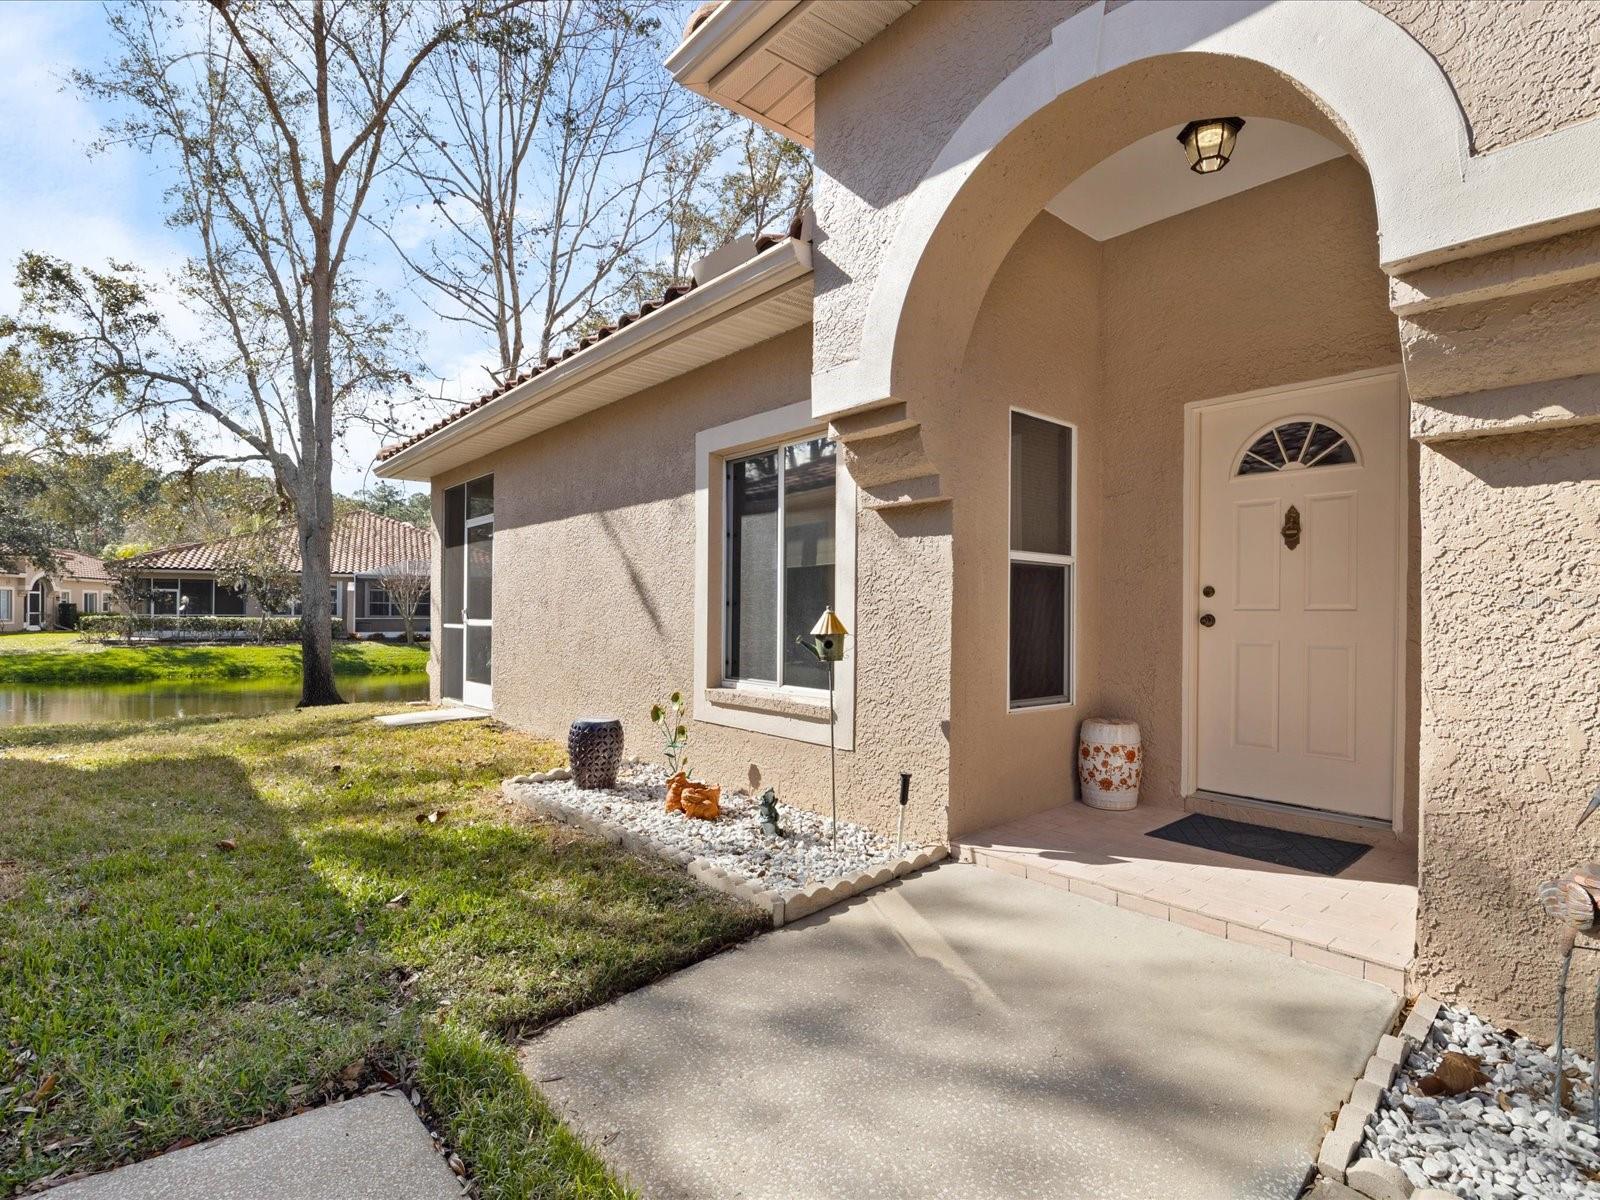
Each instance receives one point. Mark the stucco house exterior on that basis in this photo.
(1295, 463)
(30, 598)
(366, 546)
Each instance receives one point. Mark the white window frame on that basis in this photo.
(1069, 561)
(794, 713)
(10, 613)
(86, 610)
(337, 600)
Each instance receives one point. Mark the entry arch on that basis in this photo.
(1337, 67)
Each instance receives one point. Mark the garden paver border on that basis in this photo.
(1340, 1144)
(781, 906)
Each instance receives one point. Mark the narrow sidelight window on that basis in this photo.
(780, 560)
(1042, 562)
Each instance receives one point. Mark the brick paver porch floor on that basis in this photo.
(1361, 922)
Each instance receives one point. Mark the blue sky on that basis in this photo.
(55, 198)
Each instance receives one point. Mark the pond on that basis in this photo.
(34, 704)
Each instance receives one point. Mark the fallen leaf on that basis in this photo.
(46, 1086)
(336, 768)
(1504, 1101)
(432, 818)
(400, 901)
(1458, 1072)
(227, 845)
(1429, 1085)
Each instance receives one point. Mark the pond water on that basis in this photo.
(28, 704)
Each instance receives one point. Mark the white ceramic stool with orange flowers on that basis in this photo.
(1110, 763)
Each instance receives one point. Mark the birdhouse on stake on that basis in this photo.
(827, 643)
(827, 637)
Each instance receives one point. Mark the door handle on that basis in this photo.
(1207, 620)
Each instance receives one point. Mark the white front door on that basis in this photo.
(1298, 596)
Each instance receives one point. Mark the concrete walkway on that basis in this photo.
(968, 1034)
(432, 716)
(372, 1148)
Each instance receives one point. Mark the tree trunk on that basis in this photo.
(316, 614)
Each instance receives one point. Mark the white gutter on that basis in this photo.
(722, 37)
(771, 270)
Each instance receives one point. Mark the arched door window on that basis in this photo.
(1297, 445)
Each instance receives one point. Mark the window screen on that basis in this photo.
(1041, 561)
(780, 560)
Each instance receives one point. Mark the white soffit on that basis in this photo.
(761, 58)
(1150, 180)
(766, 296)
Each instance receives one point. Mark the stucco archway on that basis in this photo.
(1355, 73)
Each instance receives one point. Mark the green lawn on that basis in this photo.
(61, 658)
(156, 986)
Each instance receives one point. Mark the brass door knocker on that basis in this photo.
(1291, 527)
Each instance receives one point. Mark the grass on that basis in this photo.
(63, 659)
(156, 986)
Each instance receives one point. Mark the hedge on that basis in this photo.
(166, 627)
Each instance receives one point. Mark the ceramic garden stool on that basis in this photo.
(1110, 763)
(594, 747)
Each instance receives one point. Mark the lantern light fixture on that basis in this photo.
(1209, 142)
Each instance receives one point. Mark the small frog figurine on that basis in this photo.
(767, 814)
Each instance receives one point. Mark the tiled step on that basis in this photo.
(1360, 937)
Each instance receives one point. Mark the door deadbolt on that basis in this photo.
(1207, 620)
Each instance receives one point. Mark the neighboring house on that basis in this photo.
(30, 598)
(366, 546)
(1296, 463)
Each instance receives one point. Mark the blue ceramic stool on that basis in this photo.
(594, 746)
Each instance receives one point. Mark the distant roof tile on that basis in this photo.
(363, 542)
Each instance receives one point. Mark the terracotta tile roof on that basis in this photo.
(699, 17)
(363, 542)
(77, 565)
(677, 291)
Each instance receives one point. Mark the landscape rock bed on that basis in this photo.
(1497, 1140)
(789, 876)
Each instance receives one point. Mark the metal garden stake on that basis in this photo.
(1574, 900)
(827, 643)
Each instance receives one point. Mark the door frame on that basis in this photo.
(1188, 768)
(476, 695)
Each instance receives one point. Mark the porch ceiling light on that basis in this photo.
(1209, 142)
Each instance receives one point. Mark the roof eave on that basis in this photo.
(768, 273)
(718, 42)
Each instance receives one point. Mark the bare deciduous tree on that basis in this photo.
(274, 117)
(557, 165)
(256, 564)
(406, 584)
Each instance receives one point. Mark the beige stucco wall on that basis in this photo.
(1117, 338)
(1511, 687)
(594, 594)
(1037, 346)
(1520, 68)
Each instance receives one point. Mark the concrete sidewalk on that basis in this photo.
(371, 1148)
(967, 1034)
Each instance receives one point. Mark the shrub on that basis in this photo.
(167, 627)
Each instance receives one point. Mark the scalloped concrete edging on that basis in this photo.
(1340, 1144)
(783, 906)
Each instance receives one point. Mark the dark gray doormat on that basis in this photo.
(1303, 851)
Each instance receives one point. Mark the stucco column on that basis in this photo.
(1509, 499)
